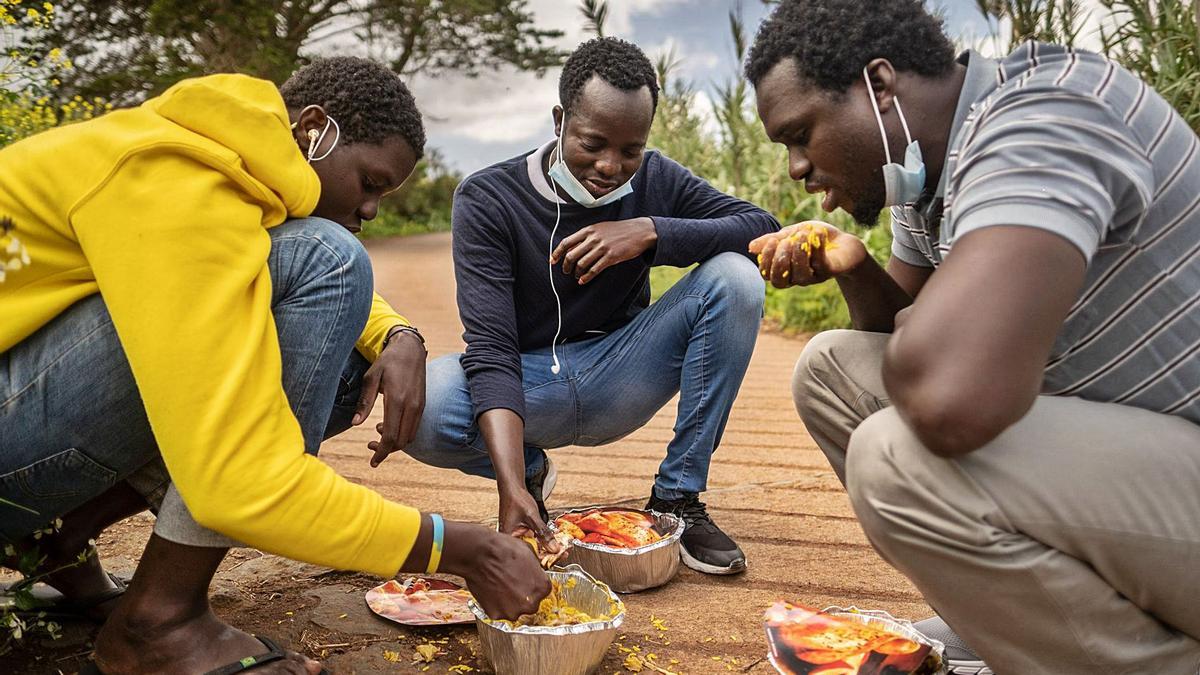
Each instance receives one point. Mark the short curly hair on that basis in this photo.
(833, 40)
(619, 63)
(369, 102)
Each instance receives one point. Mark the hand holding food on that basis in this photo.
(550, 554)
(519, 513)
(807, 253)
(501, 573)
(556, 610)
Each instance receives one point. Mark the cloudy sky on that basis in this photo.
(476, 122)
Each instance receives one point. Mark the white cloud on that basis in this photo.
(689, 58)
(509, 106)
(502, 106)
(565, 15)
(702, 106)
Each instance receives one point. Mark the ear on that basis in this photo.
(882, 75)
(311, 119)
(557, 114)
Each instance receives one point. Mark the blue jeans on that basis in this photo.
(72, 423)
(695, 341)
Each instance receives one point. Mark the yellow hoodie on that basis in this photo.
(164, 209)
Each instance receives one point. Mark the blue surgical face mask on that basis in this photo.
(903, 184)
(569, 183)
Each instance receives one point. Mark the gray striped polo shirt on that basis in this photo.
(1067, 141)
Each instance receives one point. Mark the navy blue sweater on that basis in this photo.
(502, 219)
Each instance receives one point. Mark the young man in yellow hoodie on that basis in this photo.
(171, 315)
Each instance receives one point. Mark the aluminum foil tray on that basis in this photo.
(562, 650)
(633, 569)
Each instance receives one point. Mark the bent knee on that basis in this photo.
(447, 413)
(816, 363)
(735, 276)
(332, 244)
(880, 463)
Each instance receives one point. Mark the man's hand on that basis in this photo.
(807, 253)
(502, 572)
(398, 374)
(519, 515)
(591, 250)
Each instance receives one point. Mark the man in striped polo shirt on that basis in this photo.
(1016, 415)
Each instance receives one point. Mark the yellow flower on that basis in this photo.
(426, 653)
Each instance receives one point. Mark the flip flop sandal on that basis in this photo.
(56, 607)
(274, 653)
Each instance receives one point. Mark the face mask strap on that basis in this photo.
(878, 118)
(338, 135)
(903, 122)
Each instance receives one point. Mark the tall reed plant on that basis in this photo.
(1159, 40)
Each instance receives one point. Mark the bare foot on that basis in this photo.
(130, 645)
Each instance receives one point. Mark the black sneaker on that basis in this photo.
(961, 659)
(541, 484)
(705, 547)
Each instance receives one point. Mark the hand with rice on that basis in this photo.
(807, 253)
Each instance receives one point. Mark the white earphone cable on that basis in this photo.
(550, 264)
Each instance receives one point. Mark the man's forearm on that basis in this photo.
(683, 241)
(504, 434)
(873, 297)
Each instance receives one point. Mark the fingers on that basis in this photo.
(766, 257)
(567, 244)
(781, 264)
(757, 245)
(789, 257)
(590, 258)
(366, 400)
(802, 258)
(392, 412)
(534, 522)
(571, 258)
(413, 410)
(595, 262)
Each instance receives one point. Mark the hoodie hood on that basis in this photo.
(247, 116)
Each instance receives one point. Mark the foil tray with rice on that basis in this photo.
(569, 635)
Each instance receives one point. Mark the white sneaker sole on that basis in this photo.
(737, 567)
(551, 478)
(956, 667)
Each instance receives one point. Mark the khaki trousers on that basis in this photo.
(1068, 545)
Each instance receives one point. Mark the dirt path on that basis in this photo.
(770, 488)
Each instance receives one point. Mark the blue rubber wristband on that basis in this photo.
(435, 552)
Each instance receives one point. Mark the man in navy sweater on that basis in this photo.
(552, 254)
